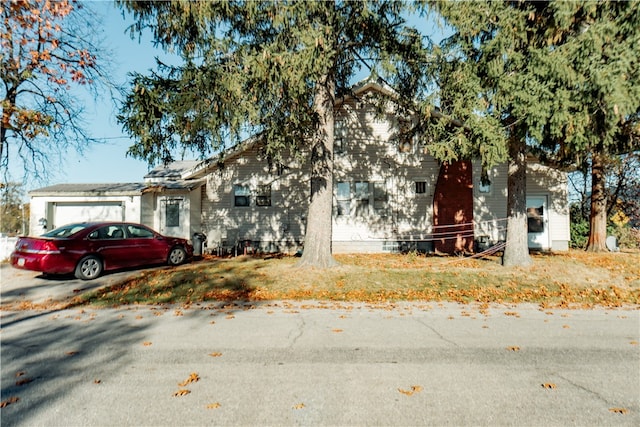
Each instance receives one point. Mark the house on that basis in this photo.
(389, 195)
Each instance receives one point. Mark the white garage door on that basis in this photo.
(67, 213)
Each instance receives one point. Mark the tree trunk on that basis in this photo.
(317, 243)
(598, 215)
(516, 252)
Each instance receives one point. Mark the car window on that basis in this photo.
(66, 230)
(137, 232)
(108, 232)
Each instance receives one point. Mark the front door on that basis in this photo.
(172, 217)
(537, 222)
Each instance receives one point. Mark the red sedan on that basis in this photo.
(88, 249)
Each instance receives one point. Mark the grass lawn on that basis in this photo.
(573, 279)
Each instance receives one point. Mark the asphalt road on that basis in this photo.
(283, 363)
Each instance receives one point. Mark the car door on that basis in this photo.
(148, 247)
(111, 244)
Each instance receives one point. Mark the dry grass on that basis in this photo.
(573, 279)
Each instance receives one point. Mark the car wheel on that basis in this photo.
(177, 256)
(89, 268)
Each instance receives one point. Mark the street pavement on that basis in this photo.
(315, 363)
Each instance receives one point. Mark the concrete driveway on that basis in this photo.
(22, 286)
(313, 363)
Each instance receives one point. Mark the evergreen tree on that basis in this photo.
(596, 116)
(558, 79)
(266, 68)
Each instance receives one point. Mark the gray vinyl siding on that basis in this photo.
(280, 225)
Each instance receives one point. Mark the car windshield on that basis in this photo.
(66, 230)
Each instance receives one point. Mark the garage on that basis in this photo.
(66, 213)
(63, 204)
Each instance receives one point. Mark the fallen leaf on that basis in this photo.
(622, 411)
(298, 406)
(24, 381)
(138, 317)
(193, 378)
(566, 327)
(147, 343)
(549, 386)
(9, 401)
(97, 381)
(181, 392)
(513, 348)
(214, 405)
(414, 389)
(336, 330)
(20, 373)
(231, 316)
(215, 354)
(71, 353)
(633, 342)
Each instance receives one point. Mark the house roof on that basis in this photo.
(120, 189)
(174, 170)
(114, 189)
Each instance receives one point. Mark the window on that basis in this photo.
(380, 198)
(172, 213)
(535, 220)
(137, 232)
(263, 195)
(362, 196)
(484, 183)
(343, 198)
(241, 195)
(421, 187)
(108, 232)
(368, 197)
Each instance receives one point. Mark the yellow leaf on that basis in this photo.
(214, 405)
(146, 343)
(181, 392)
(513, 348)
(622, 411)
(549, 386)
(336, 330)
(414, 389)
(298, 406)
(192, 379)
(215, 354)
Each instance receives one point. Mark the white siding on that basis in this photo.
(367, 150)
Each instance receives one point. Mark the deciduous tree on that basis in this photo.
(47, 49)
